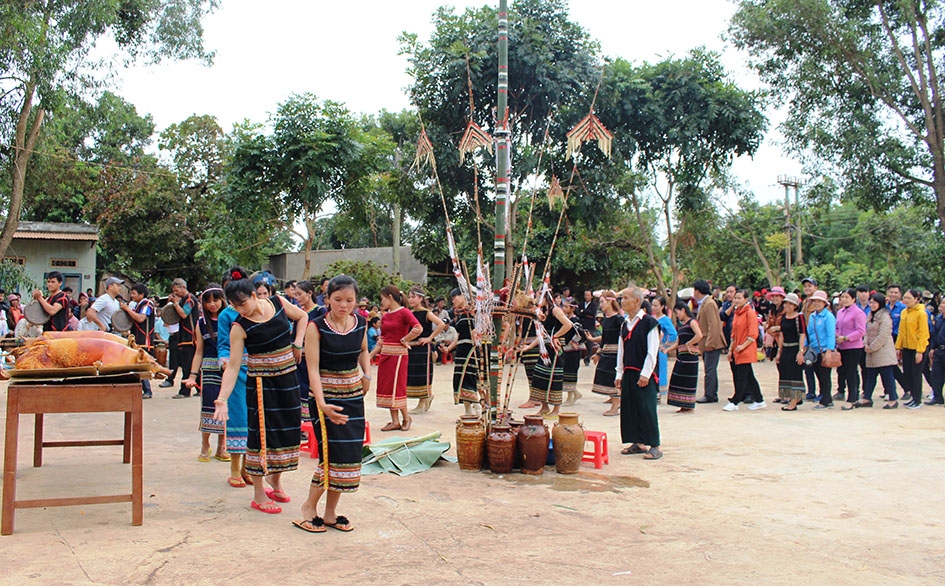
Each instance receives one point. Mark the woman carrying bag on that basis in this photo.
(821, 338)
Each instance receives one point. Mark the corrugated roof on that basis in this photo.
(55, 236)
(56, 231)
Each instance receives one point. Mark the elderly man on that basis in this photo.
(636, 359)
(185, 304)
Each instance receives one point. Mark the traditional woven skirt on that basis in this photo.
(682, 385)
(392, 377)
(530, 359)
(638, 419)
(572, 362)
(548, 381)
(790, 375)
(237, 428)
(465, 374)
(605, 374)
(305, 389)
(210, 378)
(344, 441)
(272, 378)
(420, 372)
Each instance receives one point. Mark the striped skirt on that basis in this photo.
(605, 375)
(210, 379)
(237, 430)
(682, 385)
(572, 362)
(790, 374)
(420, 372)
(465, 374)
(548, 381)
(530, 359)
(273, 386)
(345, 442)
(392, 377)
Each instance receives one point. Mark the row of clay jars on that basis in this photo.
(528, 448)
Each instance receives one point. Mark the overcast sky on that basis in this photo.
(347, 52)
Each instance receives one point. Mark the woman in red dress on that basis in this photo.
(398, 328)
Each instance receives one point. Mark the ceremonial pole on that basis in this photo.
(503, 162)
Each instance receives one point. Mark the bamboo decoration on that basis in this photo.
(473, 138)
(555, 193)
(588, 129)
(262, 425)
(324, 428)
(424, 151)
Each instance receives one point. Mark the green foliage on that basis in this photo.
(370, 276)
(14, 277)
(861, 81)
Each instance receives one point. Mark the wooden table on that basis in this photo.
(87, 397)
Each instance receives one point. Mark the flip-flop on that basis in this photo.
(653, 454)
(341, 524)
(203, 458)
(272, 510)
(313, 525)
(277, 495)
(236, 482)
(633, 449)
(248, 479)
(222, 458)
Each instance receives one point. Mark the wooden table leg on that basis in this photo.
(137, 462)
(38, 441)
(9, 462)
(126, 448)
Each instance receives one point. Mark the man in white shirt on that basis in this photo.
(639, 387)
(99, 314)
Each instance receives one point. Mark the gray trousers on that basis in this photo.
(710, 360)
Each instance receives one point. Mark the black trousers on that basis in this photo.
(912, 373)
(849, 372)
(746, 385)
(185, 354)
(173, 355)
(823, 380)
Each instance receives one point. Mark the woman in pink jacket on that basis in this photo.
(851, 327)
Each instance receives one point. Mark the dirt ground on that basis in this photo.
(751, 497)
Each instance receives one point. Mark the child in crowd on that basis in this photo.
(208, 365)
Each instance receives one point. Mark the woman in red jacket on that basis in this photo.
(743, 352)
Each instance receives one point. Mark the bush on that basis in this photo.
(371, 277)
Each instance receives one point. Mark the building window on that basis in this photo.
(20, 260)
(64, 263)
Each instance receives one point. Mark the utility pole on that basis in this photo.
(795, 182)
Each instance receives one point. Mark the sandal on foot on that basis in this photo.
(223, 458)
(203, 458)
(653, 453)
(341, 524)
(277, 495)
(236, 482)
(313, 525)
(787, 408)
(268, 507)
(391, 427)
(610, 413)
(633, 449)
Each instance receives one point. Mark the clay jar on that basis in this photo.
(533, 444)
(568, 440)
(470, 443)
(516, 428)
(501, 447)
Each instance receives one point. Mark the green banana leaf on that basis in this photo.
(404, 456)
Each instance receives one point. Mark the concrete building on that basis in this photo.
(290, 265)
(42, 247)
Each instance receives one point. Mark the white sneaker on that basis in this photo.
(730, 407)
(760, 405)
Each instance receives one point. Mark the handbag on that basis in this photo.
(810, 356)
(831, 359)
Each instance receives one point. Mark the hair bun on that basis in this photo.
(236, 275)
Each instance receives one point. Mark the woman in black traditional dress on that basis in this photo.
(792, 337)
(336, 349)
(548, 378)
(420, 355)
(607, 356)
(682, 385)
(465, 361)
(572, 343)
(305, 296)
(272, 395)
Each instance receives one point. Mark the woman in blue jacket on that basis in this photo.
(821, 336)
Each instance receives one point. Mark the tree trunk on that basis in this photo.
(772, 280)
(647, 241)
(26, 137)
(307, 244)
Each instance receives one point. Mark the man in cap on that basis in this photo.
(99, 315)
(185, 304)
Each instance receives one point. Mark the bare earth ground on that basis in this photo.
(760, 497)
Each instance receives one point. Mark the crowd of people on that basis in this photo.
(306, 355)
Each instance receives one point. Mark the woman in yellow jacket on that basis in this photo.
(911, 345)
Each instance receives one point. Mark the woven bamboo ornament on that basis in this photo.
(555, 193)
(474, 138)
(590, 128)
(424, 150)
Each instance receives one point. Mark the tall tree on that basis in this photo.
(45, 50)
(863, 82)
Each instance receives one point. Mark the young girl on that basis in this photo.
(337, 355)
(420, 355)
(207, 364)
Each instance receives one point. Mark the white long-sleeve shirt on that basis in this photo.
(652, 348)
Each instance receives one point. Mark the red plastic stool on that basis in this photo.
(599, 455)
(312, 444)
(447, 358)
